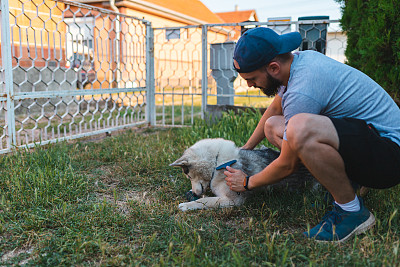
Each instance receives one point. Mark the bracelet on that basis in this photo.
(246, 183)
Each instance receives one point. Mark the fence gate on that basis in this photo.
(70, 70)
(194, 66)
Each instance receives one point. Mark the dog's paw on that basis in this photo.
(184, 206)
(188, 206)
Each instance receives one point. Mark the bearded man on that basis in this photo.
(327, 115)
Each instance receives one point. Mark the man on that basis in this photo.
(333, 118)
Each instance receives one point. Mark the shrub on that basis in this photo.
(373, 44)
(235, 127)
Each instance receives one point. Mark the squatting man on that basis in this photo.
(327, 115)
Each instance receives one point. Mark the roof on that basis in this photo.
(192, 8)
(192, 11)
(237, 16)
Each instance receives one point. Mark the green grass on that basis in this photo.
(114, 202)
(251, 97)
(172, 115)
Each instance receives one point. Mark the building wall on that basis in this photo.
(37, 35)
(115, 48)
(156, 21)
(336, 45)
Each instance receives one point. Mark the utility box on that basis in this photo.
(313, 34)
(221, 65)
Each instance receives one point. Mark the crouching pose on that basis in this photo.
(333, 118)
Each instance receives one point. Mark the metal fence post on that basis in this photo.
(8, 75)
(204, 69)
(150, 84)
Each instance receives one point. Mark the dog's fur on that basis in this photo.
(199, 163)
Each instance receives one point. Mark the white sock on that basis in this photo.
(352, 206)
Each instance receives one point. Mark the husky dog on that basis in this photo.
(204, 164)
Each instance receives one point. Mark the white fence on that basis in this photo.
(194, 68)
(70, 70)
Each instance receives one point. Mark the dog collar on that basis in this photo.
(223, 166)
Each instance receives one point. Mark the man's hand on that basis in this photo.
(247, 147)
(235, 179)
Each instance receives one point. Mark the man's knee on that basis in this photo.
(274, 125)
(300, 130)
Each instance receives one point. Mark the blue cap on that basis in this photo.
(259, 46)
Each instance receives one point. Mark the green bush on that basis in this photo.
(373, 40)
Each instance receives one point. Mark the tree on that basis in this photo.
(373, 40)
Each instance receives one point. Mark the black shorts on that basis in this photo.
(370, 160)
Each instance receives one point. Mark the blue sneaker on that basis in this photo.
(339, 225)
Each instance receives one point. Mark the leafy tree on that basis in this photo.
(373, 44)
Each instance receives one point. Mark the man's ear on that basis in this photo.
(274, 68)
(182, 161)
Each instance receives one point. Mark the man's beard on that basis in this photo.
(272, 86)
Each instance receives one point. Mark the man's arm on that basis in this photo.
(258, 135)
(280, 168)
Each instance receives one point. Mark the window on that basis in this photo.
(172, 34)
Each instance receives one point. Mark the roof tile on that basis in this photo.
(193, 8)
(237, 16)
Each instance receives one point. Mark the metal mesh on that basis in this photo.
(76, 69)
(4, 136)
(178, 74)
(194, 68)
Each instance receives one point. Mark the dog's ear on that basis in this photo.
(181, 162)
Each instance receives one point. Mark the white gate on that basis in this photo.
(194, 69)
(70, 70)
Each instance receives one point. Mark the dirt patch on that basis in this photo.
(145, 198)
(239, 223)
(107, 175)
(144, 130)
(122, 203)
(15, 253)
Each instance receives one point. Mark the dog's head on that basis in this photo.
(199, 161)
(198, 170)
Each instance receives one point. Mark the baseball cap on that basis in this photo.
(260, 45)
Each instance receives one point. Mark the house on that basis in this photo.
(48, 33)
(25, 16)
(169, 13)
(161, 13)
(238, 16)
(38, 46)
(172, 68)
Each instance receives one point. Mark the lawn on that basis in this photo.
(251, 97)
(113, 201)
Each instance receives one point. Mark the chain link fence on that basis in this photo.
(70, 70)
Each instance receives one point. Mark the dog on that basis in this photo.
(204, 164)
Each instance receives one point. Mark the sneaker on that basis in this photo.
(339, 225)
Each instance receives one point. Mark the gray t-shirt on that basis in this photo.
(321, 85)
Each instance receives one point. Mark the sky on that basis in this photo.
(279, 8)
